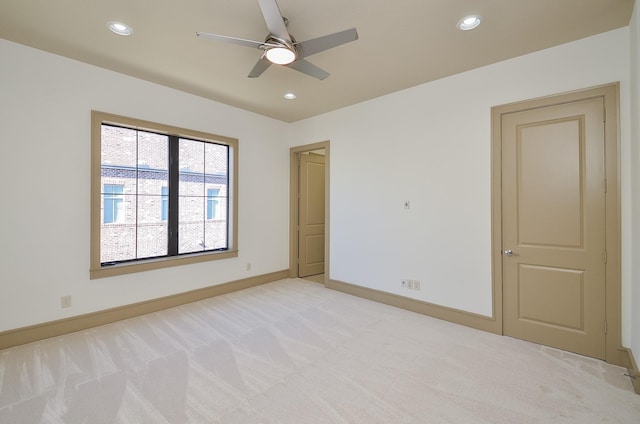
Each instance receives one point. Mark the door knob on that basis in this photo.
(510, 252)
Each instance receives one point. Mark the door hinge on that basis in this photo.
(605, 256)
(606, 328)
(606, 184)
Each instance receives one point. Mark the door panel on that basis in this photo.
(311, 215)
(553, 189)
(565, 309)
(314, 245)
(549, 174)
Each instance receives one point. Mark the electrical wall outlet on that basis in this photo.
(410, 284)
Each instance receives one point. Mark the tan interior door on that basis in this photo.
(311, 215)
(553, 210)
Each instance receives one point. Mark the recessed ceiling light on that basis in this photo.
(290, 96)
(120, 28)
(469, 22)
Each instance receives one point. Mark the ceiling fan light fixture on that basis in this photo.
(280, 55)
(469, 22)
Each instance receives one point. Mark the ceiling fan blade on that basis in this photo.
(274, 19)
(309, 69)
(259, 68)
(234, 40)
(326, 42)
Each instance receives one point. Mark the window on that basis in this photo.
(162, 196)
(112, 196)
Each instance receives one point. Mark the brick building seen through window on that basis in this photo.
(135, 185)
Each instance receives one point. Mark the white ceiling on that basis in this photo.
(402, 43)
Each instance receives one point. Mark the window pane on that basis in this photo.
(118, 175)
(216, 159)
(216, 180)
(118, 238)
(153, 177)
(191, 211)
(203, 190)
(153, 163)
(118, 162)
(216, 224)
(152, 232)
(191, 159)
(215, 235)
(152, 150)
(191, 224)
(118, 147)
(134, 169)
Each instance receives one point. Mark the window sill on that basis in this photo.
(158, 263)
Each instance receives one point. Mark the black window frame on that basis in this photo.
(173, 258)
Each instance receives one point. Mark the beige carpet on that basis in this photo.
(295, 352)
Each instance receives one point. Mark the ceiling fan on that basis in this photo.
(281, 48)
